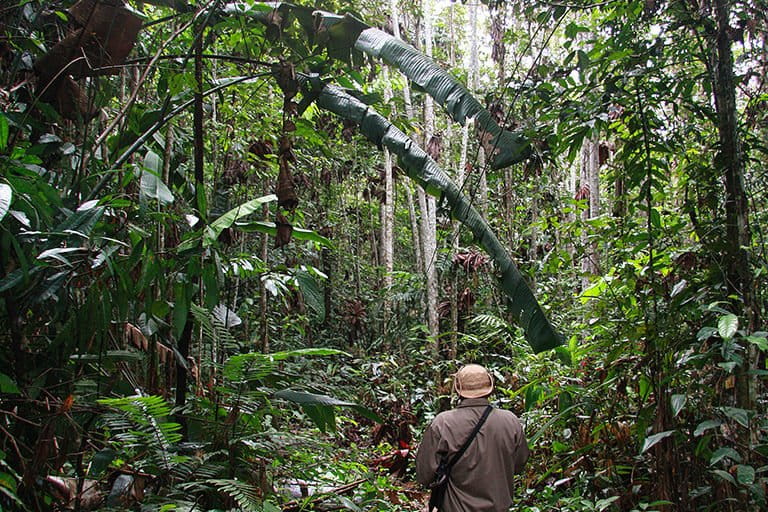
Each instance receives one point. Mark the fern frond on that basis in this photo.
(245, 495)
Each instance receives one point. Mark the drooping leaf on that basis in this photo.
(528, 313)
(505, 147)
(740, 416)
(651, 440)
(232, 216)
(706, 425)
(722, 453)
(724, 475)
(313, 295)
(6, 196)
(151, 186)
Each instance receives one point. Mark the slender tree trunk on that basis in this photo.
(590, 190)
(388, 226)
(730, 160)
(429, 215)
(414, 228)
(263, 319)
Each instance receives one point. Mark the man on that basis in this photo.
(482, 478)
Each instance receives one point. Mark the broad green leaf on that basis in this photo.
(313, 295)
(7, 385)
(745, 475)
(6, 196)
(651, 441)
(722, 453)
(724, 475)
(348, 504)
(740, 416)
(678, 402)
(232, 216)
(151, 186)
(727, 326)
(532, 395)
(318, 401)
(706, 425)
(760, 342)
(526, 310)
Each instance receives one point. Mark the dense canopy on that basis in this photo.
(245, 245)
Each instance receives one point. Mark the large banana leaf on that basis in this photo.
(342, 35)
(539, 331)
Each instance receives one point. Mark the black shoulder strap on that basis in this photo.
(470, 438)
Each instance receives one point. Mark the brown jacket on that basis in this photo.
(482, 479)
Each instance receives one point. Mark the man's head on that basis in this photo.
(473, 381)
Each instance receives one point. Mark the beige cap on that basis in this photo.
(473, 381)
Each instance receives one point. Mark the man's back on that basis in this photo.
(482, 479)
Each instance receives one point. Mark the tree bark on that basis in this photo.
(590, 190)
(429, 214)
(730, 160)
(388, 221)
(414, 228)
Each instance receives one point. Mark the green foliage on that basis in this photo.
(120, 276)
(539, 332)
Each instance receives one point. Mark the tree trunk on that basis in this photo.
(414, 228)
(589, 190)
(429, 215)
(388, 225)
(730, 160)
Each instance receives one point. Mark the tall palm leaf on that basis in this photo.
(539, 332)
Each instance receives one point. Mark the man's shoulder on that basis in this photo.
(505, 417)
